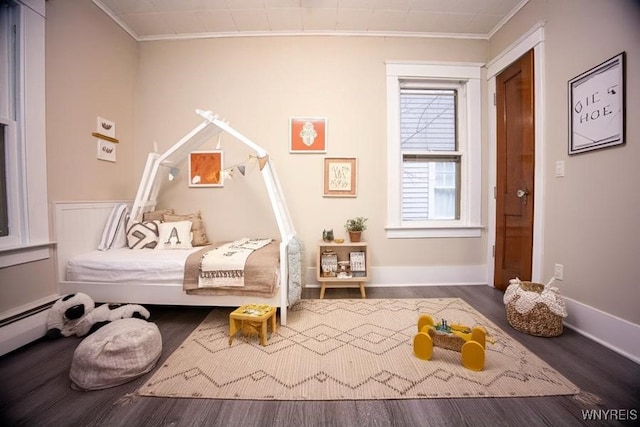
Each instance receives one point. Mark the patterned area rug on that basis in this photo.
(349, 349)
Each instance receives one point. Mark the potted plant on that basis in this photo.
(355, 227)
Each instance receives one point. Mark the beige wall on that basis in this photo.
(91, 68)
(25, 285)
(591, 222)
(90, 71)
(257, 84)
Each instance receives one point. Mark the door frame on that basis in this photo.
(533, 39)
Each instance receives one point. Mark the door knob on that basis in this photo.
(522, 194)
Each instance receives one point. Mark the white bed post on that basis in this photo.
(285, 226)
(144, 189)
(278, 203)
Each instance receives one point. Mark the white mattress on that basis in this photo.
(129, 266)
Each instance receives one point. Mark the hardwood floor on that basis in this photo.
(35, 386)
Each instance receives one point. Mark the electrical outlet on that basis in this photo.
(558, 272)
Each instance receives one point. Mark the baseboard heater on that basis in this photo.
(24, 327)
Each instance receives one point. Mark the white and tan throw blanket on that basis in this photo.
(224, 265)
(260, 273)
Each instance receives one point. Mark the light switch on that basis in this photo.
(559, 168)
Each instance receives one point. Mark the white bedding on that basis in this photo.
(132, 266)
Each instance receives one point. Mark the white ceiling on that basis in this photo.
(169, 19)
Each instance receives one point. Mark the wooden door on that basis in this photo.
(515, 172)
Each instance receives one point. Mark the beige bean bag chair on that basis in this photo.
(115, 354)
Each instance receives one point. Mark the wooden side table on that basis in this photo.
(253, 316)
(344, 252)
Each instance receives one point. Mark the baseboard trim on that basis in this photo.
(615, 333)
(449, 275)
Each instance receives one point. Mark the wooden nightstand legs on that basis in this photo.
(323, 286)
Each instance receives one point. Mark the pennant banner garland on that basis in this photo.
(242, 167)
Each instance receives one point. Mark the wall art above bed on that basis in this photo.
(205, 169)
(308, 135)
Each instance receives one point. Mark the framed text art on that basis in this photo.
(308, 135)
(205, 169)
(597, 107)
(340, 177)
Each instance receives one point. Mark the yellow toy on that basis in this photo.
(470, 342)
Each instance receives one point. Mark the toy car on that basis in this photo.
(470, 342)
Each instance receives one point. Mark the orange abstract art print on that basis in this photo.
(205, 169)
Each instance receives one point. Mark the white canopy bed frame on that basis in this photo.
(79, 225)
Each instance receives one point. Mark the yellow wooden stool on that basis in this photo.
(252, 317)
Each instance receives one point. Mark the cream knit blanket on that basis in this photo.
(224, 265)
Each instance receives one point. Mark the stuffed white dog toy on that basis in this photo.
(66, 313)
(76, 314)
(106, 313)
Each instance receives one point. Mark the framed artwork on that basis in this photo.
(597, 107)
(106, 139)
(106, 150)
(106, 127)
(308, 135)
(205, 169)
(340, 177)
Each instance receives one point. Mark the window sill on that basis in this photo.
(22, 254)
(399, 232)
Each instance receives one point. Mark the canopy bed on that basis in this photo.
(91, 257)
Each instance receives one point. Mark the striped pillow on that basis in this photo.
(114, 233)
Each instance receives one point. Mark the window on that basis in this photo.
(9, 19)
(433, 150)
(4, 201)
(428, 145)
(24, 224)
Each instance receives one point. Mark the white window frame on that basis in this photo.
(469, 147)
(28, 238)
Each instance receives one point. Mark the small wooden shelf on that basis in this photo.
(343, 252)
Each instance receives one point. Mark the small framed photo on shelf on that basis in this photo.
(308, 135)
(597, 107)
(205, 169)
(358, 265)
(340, 177)
(329, 264)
